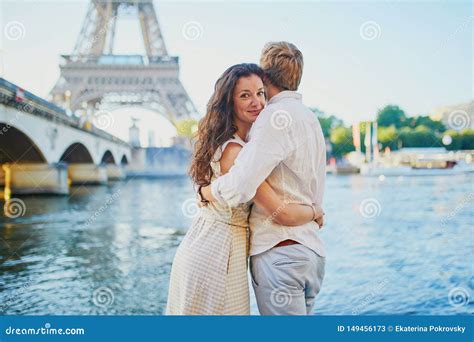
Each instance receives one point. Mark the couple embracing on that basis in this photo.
(259, 167)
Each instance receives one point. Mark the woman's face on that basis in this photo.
(249, 98)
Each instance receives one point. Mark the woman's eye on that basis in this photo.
(261, 93)
(244, 96)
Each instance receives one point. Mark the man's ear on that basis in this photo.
(265, 80)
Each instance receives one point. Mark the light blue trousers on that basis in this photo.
(287, 279)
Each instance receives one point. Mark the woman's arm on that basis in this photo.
(287, 214)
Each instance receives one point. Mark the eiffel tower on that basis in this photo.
(93, 77)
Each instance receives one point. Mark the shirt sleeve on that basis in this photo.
(268, 146)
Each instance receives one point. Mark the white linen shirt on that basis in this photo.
(285, 147)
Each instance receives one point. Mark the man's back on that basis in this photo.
(299, 178)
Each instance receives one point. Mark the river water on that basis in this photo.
(399, 245)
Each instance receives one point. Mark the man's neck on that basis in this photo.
(272, 91)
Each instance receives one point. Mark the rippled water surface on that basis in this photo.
(394, 246)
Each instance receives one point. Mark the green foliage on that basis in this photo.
(395, 130)
(426, 121)
(463, 140)
(327, 122)
(391, 115)
(421, 136)
(186, 127)
(341, 140)
(388, 137)
(467, 138)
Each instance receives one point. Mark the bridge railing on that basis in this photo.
(13, 96)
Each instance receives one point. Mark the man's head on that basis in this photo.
(282, 63)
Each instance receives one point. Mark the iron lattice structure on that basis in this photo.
(93, 77)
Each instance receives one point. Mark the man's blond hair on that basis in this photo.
(282, 63)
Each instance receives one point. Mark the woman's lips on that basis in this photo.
(255, 112)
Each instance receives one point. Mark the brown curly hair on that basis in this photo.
(218, 125)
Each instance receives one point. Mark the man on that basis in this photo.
(286, 147)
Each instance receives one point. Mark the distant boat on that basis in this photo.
(417, 162)
(371, 170)
(345, 169)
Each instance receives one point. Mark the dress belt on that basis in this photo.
(286, 243)
(206, 215)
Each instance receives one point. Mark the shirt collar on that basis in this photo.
(286, 94)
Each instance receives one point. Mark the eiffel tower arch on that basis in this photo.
(92, 77)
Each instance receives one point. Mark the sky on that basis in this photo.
(359, 55)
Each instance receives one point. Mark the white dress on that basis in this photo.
(209, 272)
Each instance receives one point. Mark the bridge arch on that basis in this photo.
(124, 160)
(23, 150)
(108, 158)
(77, 153)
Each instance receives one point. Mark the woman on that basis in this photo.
(209, 272)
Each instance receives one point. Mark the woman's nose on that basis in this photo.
(255, 101)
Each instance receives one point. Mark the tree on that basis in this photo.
(467, 138)
(186, 127)
(327, 122)
(463, 140)
(421, 136)
(427, 122)
(341, 139)
(456, 141)
(388, 137)
(391, 115)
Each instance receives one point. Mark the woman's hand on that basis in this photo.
(319, 215)
(207, 194)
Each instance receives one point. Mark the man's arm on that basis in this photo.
(268, 146)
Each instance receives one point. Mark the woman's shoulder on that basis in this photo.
(235, 144)
(235, 139)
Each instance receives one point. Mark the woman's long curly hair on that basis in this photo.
(218, 125)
